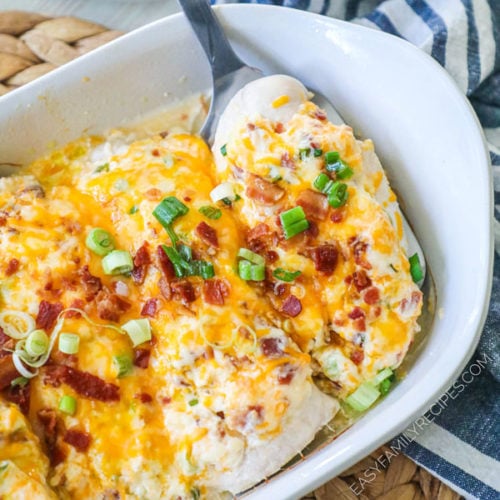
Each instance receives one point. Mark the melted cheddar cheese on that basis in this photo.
(227, 394)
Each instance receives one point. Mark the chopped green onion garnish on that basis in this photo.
(227, 201)
(293, 221)
(293, 215)
(19, 381)
(68, 405)
(338, 194)
(331, 157)
(344, 171)
(100, 241)
(287, 276)
(415, 268)
(237, 197)
(304, 153)
(37, 343)
(180, 265)
(223, 150)
(134, 209)
(223, 191)
(381, 376)
(211, 212)
(102, 168)
(69, 343)
(121, 185)
(251, 272)
(185, 252)
(318, 152)
(168, 210)
(123, 364)
(385, 386)
(202, 268)
(321, 181)
(195, 493)
(117, 262)
(253, 257)
(363, 397)
(193, 402)
(139, 331)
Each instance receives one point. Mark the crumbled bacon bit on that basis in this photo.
(271, 256)
(19, 395)
(409, 305)
(76, 304)
(359, 251)
(207, 234)
(286, 373)
(92, 285)
(142, 260)
(258, 238)
(48, 419)
(165, 289)
(155, 152)
(8, 371)
(337, 215)
(144, 397)
(141, 357)
(153, 194)
(80, 440)
(332, 337)
(220, 414)
(280, 289)
(361, 280)
(279, 128)
(312, 231)
(357, 356)
(60, 358)
(315, 204)
(47, 314)
(163, 134)
(291, 306)
(110, 306)
(214, 291)
(359, 324)
(325, 258)
(12, 267)
(83, 383)
(320, 115)
(166, 400)
(262, 191)
(166, 267)
(287, 161)
(251, 126)
(184, 291)
(150, 308)
(371, 295)
(356, 313)
(271, 347)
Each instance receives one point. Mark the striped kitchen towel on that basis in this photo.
(459, 438)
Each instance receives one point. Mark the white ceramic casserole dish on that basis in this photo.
(425, 133)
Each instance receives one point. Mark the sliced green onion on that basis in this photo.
(344, 171)
(117, 262)
(222, 191)
(168, 210)
(253, 257)
(139, 330)
(37, 343)
(297, 227)
(251, 272)
(195, 493)
(318, 152)
(178, 262)
(338, 194)
(321, 181)
(102, 168)
(123, 364)
(185, 252)
(274, 173)
(363, 397)
(287, 276)
(19, 382)
(16, 324)
(202, 268)
(134, 209)
(193, 402)
(291, 216)
(211, 212)
(331, 157)
(415, 268)
(223, 150)
(304, 153)
(381, 376)
(68, 405)
(385, 386)
(121, 185)
(69, 343)
(100, 241)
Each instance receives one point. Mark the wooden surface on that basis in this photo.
(32, 45)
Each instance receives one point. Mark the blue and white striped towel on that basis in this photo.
(459, 438)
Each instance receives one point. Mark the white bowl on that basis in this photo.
(424, 130)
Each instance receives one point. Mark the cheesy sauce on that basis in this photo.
(226, 389)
